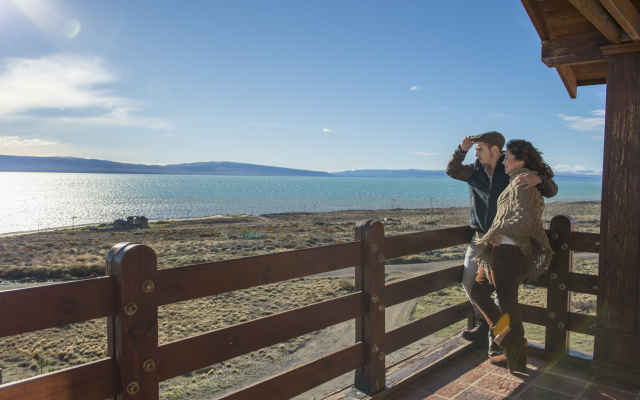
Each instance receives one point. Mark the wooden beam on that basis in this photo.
(626, 14)
(618, 49)
(574, 50)
(600, 18)
(569, 80)
(538, 18)
(541, 23)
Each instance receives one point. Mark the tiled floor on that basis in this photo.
(473, 377)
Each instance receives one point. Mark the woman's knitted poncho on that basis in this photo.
(519, 217)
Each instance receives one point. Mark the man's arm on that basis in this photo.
(547, 187)
(455, 169)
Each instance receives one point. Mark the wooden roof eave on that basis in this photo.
(583, 27)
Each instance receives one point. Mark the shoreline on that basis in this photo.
(549, 203)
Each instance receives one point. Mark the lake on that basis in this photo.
(31, 201)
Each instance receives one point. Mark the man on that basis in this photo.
(486, 179)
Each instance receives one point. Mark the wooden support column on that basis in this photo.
(132, 333)
(617, 340)
(558, 294)
(370, 329)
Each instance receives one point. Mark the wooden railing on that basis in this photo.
(130, 295)
(560, 281)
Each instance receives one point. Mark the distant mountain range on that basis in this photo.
(82, 165)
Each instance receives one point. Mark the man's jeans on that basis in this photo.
(469, 275)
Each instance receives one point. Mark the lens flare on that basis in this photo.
(71, 28)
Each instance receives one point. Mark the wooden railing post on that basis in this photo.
(133, 331)
(558, 294)
(370, 329)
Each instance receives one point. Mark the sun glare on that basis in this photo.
(47, 15)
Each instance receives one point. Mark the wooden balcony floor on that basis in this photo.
(473, 377)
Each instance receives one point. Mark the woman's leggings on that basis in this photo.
(506, 265)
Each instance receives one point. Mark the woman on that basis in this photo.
(515, 249)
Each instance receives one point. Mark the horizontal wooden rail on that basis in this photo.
(210, 348)
(580, 323)
(407, 289)
(414, 243)
(201, 280)
(95, 380)
(580, 283)
(298, 380)
(32, 309)
(586, 242)
(416, 330)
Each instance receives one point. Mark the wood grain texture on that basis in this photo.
(186, 355)
(574, 50)
(619, 49)
(371, 377)
(623, 354)
(411, 288)
(92, 381)
(579, 323)
(579, 283)
(585, 242)
(618, 277)
(296, 381)
(595, 12)
(201, 280)
(537, 17)
(414, 243)
(626, 14)
(558, 293)
(568, 80)
(32, 309)
(416, 330)
(135, 334)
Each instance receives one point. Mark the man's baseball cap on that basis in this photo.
(493, 138)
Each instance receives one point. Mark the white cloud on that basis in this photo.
(16, 141)
(585, 123)
(119, 117)
(326, 130)
(168, 134)
(561, 166)
(579, 168)
(66, 82)
(414, 88)
(420, 153)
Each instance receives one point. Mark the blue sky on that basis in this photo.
(318, 85)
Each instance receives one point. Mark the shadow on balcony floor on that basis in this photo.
(472, 377)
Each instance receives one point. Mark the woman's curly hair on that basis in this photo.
(532, 157)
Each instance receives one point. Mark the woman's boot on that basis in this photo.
(515, 352)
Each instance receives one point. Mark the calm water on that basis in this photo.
(29, 201)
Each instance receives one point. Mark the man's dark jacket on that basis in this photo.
(483, 192)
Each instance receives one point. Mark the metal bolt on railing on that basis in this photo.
(381, 308)
(375, 348)
(381, 258)
(562, 286)
(374, 248)
(149, 365)
(554, 276)
(148, 286)
(552, 315)
(133, 388)
(131, 308)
